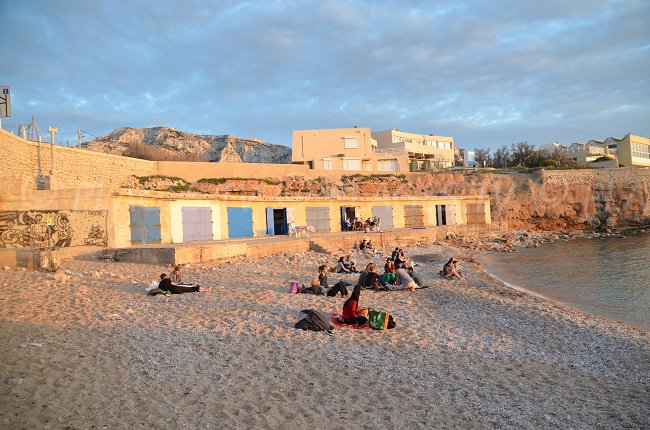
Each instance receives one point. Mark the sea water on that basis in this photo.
(605, 276)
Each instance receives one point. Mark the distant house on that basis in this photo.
(632, 150)
(351, 149)
(424, 151)
(358, 149)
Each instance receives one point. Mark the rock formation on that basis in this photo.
(166, 143)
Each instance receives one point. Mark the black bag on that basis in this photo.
(391, 322)
(315, 320)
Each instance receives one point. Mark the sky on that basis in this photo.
(486, 73)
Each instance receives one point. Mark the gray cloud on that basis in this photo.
(487, 73)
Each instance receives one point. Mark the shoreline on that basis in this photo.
(573, 307)
(472, 353)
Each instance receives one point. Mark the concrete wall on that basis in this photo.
(193, 171)
(72, 167)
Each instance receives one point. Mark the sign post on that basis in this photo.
(5, 103)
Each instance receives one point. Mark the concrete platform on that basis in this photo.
(202, 252)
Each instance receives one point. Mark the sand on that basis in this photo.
(88, 349)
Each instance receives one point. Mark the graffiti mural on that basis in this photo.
(58, 228)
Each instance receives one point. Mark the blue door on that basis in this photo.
(240, 222)
(270, 222)
(145, 225)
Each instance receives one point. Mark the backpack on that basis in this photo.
(315, 321)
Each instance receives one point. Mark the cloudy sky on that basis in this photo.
(485, 72)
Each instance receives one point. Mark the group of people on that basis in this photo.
(173, 284)
(370, 224)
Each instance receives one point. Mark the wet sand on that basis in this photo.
(88, 349)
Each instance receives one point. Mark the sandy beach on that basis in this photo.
(87, 348)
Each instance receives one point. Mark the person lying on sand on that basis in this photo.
(350, 315)
(451, 269)
(166, 284)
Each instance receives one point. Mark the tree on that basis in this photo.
(523, 154)
(501, 157)
(482, 156)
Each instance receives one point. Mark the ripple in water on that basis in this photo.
(606, 276)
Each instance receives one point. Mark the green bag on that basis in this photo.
(378, 319)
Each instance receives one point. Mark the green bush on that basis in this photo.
(602, 158)
(219, 181)
(548, 163)
(143, 179)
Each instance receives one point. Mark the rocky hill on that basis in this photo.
(166, 143)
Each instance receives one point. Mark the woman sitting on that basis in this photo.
(451, 269)
(350, 264)
(340, 266)
(389, 273)
(400, 260)
(350, 315)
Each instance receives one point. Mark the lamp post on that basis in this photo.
(53, 131)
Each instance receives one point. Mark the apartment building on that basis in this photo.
(350, 149)
(423, 151)
(632, 150)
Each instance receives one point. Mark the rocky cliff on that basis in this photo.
(544, 200)
(168, 143)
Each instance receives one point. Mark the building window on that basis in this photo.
(387, 165)
(327, 164)
(640, 150)
(350, 142)
(351, 164)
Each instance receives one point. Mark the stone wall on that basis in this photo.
(73, 168)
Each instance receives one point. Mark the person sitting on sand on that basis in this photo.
(393, 256)
(370, 247)
(369, 278)
(450, 269)
(363, 245)
(350, 264)
(404, 280)
(400, 260)
(339, 287)
(350, 315)
(175, 276)
(415, 276)
(166, 284)
(340, 266)
(389, 273)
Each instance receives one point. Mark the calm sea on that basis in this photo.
(605, 276)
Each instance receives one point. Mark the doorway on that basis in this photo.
(276, 221)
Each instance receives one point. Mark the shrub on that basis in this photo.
(548, 163)
(219, 181)
(602, 158)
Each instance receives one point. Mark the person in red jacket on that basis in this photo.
(350, 315)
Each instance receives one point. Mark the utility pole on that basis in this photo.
(53, 131)
(78, 138)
